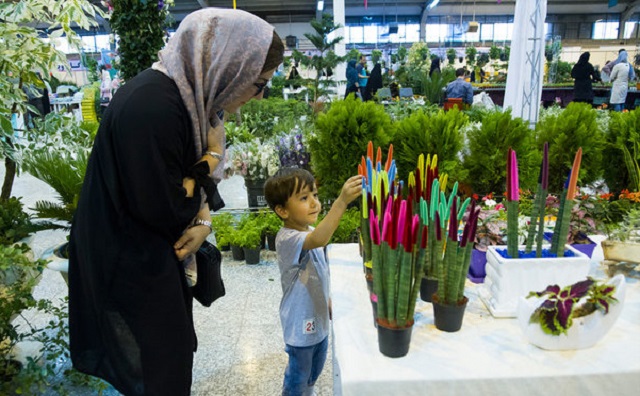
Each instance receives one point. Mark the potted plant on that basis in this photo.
(222, 226)
(255, 161)
(573, 317)
(270, 224)
(513, 272)
(235, 237)
(623, 245)
(395, 242)
(249, 240)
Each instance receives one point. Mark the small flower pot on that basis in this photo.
(237, 253)
(393, 342)
(225, 248)
(271, 242)
(448, 317)
(428, 286)
(255, 193)
(477, 266)
(252, 256)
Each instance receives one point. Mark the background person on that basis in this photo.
(353, 86)
(361, 68)
(621, 74)
(142, 212)
(584, 75)
(459, 88)
(305, 309)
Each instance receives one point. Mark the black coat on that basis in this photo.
(130, 309)
(584, 74)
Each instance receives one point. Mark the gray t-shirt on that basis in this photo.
(304, 311)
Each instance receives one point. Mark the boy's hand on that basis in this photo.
(351, 190)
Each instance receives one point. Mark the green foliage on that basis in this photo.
(23, 52)
(375, 56)
(269, 222)
(567, 131)
(470, 55)
(259, 117)
(423, 133)
(340, 138)
(140, 26)
(451, 56)
(222, 226)
(485, 158)
(623, 132)
(57, 152)
(433, 86)
(277, 85)
(15, 224)
(326, 59)
(347, 231)
(494, 52)
(249, 233)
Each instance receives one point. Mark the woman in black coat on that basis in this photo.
(584, 74)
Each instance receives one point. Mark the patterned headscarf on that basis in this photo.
(215, 55)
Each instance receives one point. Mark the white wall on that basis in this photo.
(296, 29)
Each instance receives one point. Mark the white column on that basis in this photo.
(526, 61)
(339, 74)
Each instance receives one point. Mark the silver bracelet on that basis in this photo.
(198, 222)
(215, 155)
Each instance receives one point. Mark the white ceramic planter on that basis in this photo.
(56, 262)
(585, 332)
(509, 279)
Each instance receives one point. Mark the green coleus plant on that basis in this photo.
(555, 315)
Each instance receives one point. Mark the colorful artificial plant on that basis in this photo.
(513, 198)
(538, 208)
(561, 230)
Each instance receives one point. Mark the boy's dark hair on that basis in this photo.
(286, 182)
(460, 72)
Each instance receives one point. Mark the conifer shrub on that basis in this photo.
(430, 133)
(341, 136)
(566, 131)
(623, 132)
(485, 158)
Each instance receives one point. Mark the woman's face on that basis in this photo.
(254, 91)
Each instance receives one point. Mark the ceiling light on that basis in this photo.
(432, 4)
(320, 5)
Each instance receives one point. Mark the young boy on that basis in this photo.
(305, 309)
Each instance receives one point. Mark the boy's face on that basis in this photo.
(301, 209)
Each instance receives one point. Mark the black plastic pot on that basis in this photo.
(255, 193)
(394, 343)
(428, 286)
(225, 248)
(449, 317)
(271, 242)
(237, 253)
(252, 256)
(374, 307)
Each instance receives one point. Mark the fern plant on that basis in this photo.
(339, 138)
(566, 131)
(485, 159)
(436, 133)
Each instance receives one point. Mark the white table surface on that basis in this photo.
(487, 356)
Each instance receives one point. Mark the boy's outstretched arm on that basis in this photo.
(322, 234)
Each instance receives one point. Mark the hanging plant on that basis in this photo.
(140, 24)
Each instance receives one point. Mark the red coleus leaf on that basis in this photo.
(564, 312)
(580, 289)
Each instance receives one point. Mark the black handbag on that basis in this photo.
(209, 286)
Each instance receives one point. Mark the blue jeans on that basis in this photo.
(617, 106)
(304, 368)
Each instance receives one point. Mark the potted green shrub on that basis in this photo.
(222, 226)
(424, 132)
(270, 224)
(250, 238)
(235, 237)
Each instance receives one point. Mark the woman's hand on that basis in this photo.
(190, 241)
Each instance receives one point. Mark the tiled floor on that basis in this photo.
(240, 351)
